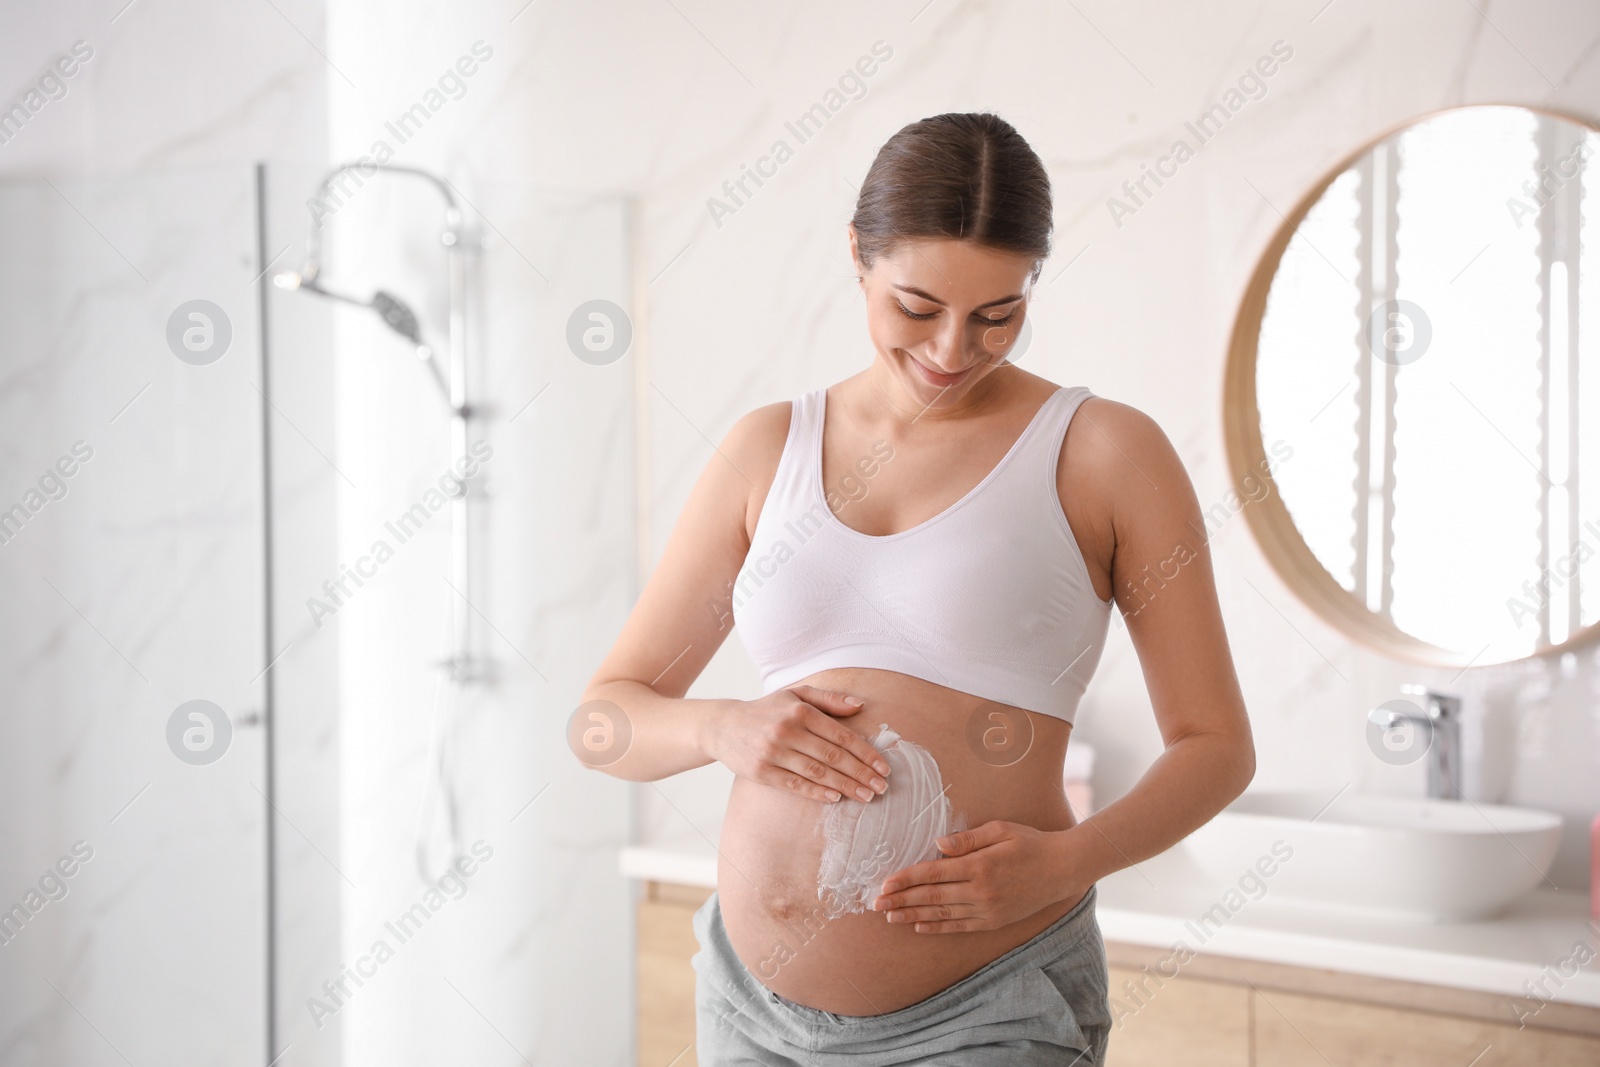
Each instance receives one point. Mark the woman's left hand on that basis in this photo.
(992, 875)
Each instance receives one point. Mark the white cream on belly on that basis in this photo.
(864, 843)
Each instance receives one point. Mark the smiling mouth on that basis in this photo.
(937, 377)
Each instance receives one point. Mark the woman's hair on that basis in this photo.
(969, 176)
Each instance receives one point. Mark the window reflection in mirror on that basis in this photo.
(1430, 348)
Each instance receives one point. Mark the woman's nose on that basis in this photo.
(947, 353)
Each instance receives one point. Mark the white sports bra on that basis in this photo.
(989, 597)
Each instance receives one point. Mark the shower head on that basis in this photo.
(396, 314)
(399, 317)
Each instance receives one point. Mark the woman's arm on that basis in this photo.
(1163, 583)
(680, 620)
(1146, 510)
(787, 739)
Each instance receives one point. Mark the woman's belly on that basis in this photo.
(995, 762)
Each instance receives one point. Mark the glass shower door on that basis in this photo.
(133, 644)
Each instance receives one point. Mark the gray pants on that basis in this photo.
(1044, 1002)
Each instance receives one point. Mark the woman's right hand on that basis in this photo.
(791, 739)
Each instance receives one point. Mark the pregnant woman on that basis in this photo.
(922, 560)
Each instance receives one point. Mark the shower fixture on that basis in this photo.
(451, 381)
(461, 669)
(396, 314)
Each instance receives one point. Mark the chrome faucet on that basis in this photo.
(1443, 723)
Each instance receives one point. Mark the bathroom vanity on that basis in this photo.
(1258, 983)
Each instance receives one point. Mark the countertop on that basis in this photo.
(1158, 903)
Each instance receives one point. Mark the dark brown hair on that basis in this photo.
(963, 175)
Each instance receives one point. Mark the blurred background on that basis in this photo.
(295, 620)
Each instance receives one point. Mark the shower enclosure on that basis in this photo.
(220, 784)
(137, 433)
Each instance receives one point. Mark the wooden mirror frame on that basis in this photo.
(1268, 518)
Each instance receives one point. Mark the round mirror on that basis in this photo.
(1412, 405)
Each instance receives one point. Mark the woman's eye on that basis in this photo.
(908, 313)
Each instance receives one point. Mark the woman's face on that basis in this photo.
(943, 313)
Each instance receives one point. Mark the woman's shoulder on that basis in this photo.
(1112, 424)
(1121, 426)
(754, 447)
(761, 429)
(755, 443)
(1109, 441)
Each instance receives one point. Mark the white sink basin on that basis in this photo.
(1395, 857)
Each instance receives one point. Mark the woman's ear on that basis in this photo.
(855, 253)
